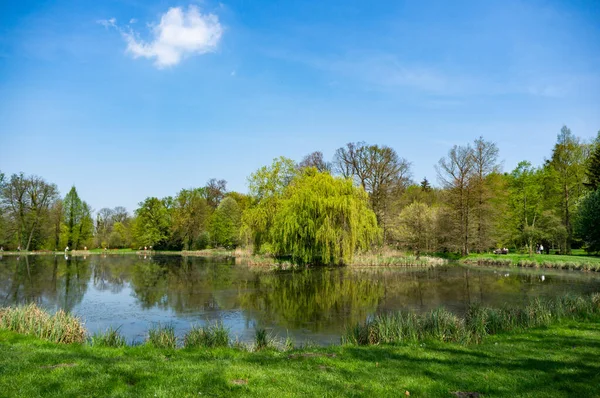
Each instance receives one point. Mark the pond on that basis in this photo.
(316, 305)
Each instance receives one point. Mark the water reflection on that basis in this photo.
(132, 292)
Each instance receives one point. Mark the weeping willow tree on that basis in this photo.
(323, 220)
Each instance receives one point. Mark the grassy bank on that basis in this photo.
(477, 324)
(585, 263)
(558, 361)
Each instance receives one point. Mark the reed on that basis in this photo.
(216, 335)
(61, 327)
(110, 338)
(162, 336)
(262, 339)
(477, 323)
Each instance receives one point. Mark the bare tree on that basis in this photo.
(316, 160)
(215, 191)
(455, 173)
(485, 162)
(379, 170)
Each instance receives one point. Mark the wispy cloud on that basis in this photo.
(179, 34)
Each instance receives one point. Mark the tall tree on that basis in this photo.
(225, 224)
(323, 220)
(455, 173)
(587, 222)
(73, 208)
(417, 227)
(485, 163)
(190, 217)
(215, 191)
(568, 171)
(316, 160)
(592, 171)
(152, 223)
(266, 186)
(379, 171)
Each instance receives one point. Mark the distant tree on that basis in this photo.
(379, 171)
(592, 171)
(485, 164)
(27, 200)
(266, 186)
(315, 160)
(567, 171)
(417, 224)
(525, 205)
(587, 222)
(323, 220)
(225, 224)
(104, 225)
(425, 186)
(215, 191)
(190, 217)
(152, 223)
(455, 173)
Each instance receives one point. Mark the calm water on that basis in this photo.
(316, 305)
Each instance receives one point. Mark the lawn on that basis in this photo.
(558, 361)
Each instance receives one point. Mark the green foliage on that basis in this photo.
(416, 227)
(266, 186)
(592, 171)
(323, 220)
(152, 223)
(78, 221)
(587, 223)
(225, 224)
(190, 217)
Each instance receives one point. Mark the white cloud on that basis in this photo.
(107, 23)
(179, 34)
(132, 21)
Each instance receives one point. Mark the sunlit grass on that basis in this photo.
(61, 327)
(479, 322)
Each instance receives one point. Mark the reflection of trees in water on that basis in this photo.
(109, 274)
(184, 284)
(319, 298)
(46, 280)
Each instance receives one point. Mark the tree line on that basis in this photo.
(320, 211)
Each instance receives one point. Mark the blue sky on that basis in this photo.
(129, 99)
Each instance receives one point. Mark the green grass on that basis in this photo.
(110, 338)
(577, 262)
(557, 361)
(208, 336)
(60, 327)
(478, 323)
(162, 336)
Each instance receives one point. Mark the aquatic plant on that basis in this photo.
(61, 327)
(162, 336)
(216, 335)
(478, 322)
(110, 338)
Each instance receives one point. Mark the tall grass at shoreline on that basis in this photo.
(399, 327)
(208, 336)
(61, 327)
(394, 258)
(110, 338)
(162, 336)
(576, 263)
(478, 322)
